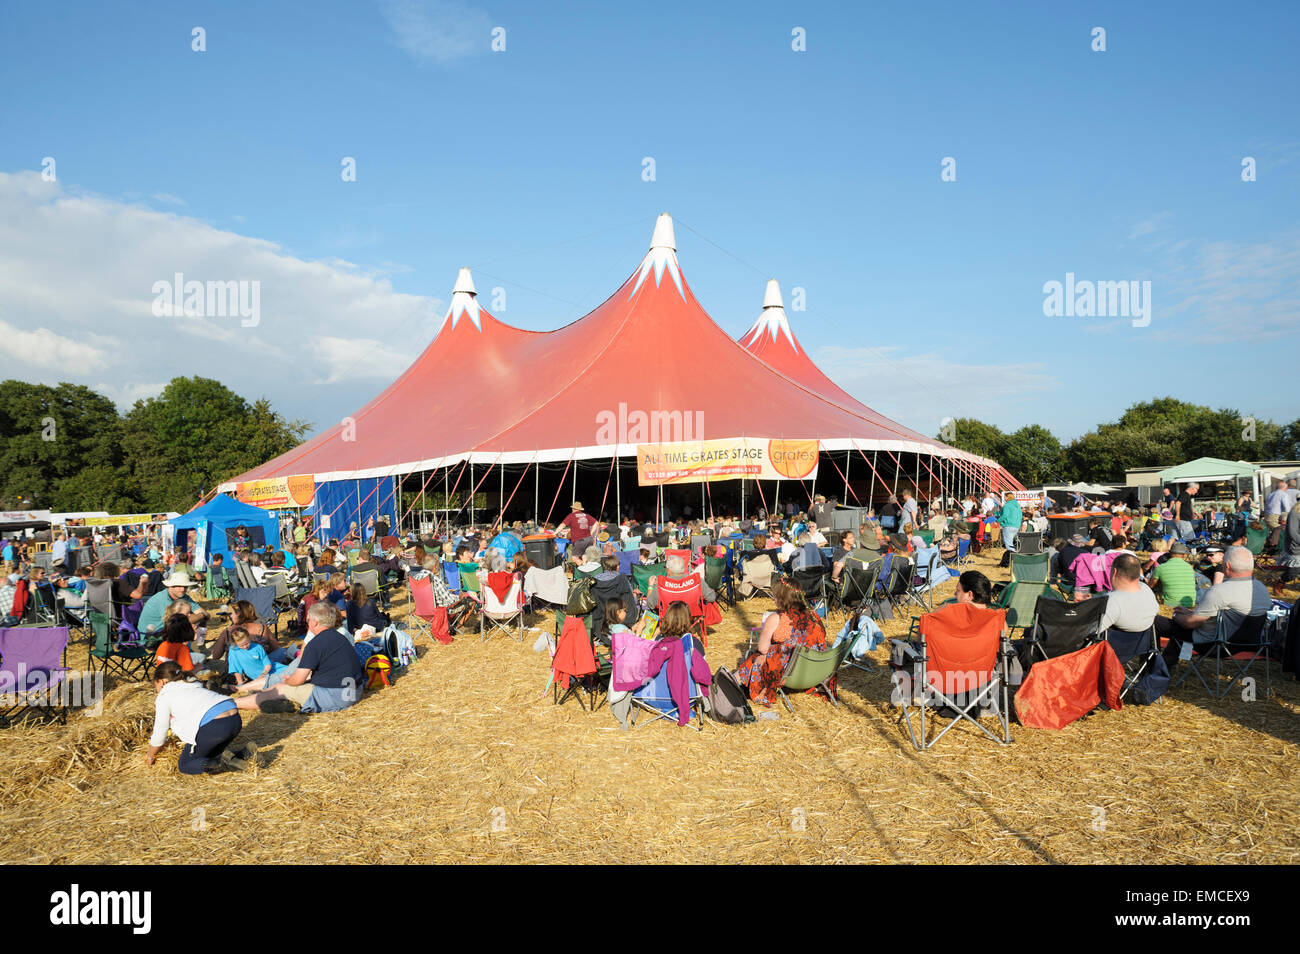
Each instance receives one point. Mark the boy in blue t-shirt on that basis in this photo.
(246, 660)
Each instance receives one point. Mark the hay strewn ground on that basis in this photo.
(465, 760)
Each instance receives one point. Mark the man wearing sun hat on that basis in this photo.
(174, 588)
(581, 525)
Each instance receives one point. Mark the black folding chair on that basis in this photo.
(1062, 627)
(1239, 641)
(263, 600)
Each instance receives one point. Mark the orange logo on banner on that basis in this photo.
(302, 489)
(792, 459)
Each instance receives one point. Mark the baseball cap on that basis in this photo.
(1178, 547)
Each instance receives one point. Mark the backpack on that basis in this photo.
(379, 670)
(399, 647)
(728, 701)
(581, 602)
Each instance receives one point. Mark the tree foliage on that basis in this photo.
(1158, 433)
(67, 448)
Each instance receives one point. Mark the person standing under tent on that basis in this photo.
(1184, 513)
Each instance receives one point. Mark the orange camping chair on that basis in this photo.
(959, 664)
(686, 590)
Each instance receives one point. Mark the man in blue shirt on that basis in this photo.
(327, 677)
(155, 607)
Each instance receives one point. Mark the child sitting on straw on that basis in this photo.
(246, 660)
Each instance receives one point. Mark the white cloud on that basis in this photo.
(43, 348)
(437, 31)
(76, 293)
(355, 358)
(124, 396)
(920, 390)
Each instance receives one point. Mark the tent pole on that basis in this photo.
(848, 462)
(446, 491)
(703, 506)
(897, 468)
(618, 489)
(575, 481)
(501, 501)
(537, 493)
(742, 498)
(472, 485)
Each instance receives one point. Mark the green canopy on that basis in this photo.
(1206, 468)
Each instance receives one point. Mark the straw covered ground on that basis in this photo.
(464, 759)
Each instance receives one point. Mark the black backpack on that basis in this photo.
(728, 701)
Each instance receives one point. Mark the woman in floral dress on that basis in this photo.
(793, 624)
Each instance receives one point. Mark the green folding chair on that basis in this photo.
(642, 574)
(1030, 567)
(469, 578)
(809, 668)
(1019, 599)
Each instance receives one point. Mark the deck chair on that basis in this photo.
(1146, 675)
(626, 560)
(244, 574)
(1238, 642)
(809, 668)
(961, 557)
(1029, 542)
(960, 664)
(1062, 627)
(370, 580)
(32, 671)
(756, 576)
(130, 661)
(426, 616)
(1030, 567)
(1020, 600)
(632, 544)
(1255, 540)
(546, 589)
(655, 698)
(502, 614)
(263, 600)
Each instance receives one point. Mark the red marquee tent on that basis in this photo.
(488, 393)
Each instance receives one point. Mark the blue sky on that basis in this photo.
(819, 168)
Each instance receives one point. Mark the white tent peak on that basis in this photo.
(663, 235)
(772, 320)
(464, 283)
(464, 300)
(661, 257)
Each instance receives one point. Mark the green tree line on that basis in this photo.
(1158, 433)
(66, 447)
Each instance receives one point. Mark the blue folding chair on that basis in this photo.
(655, 698)
(451, 573)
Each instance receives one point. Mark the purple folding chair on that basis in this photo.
(31, 670)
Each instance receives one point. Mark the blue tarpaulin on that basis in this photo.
(354, 501)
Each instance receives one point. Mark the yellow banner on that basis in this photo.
(124, 520)
(741, 458)
(278, 491)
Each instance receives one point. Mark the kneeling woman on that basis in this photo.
(203, 720)
(792, 625)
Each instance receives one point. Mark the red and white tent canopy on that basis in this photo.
(492, 394)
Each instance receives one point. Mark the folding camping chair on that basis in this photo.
(370, 580)
(1020, 600)
(1238, 642)
(263, 600)
(656, 699)
(279, 581)
(962, 556)
(244, 574)
(1029, 543)
(1062, 627)
(546, 590)
(425, 615)
(1144, 667)
(32, 672)
(593, 681)
(717, 573)
(626, 560)
(42, 606)
(469, 582)
(857, 582)
(811, 582)
(127, 660)
(643, 573)
(896, 590)
(756, 576)
(502, 614)
(451, 574)
(961, 664)
(809, 668)
(932, 571)
(1030, 567)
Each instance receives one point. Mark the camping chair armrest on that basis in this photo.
(907, 647)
